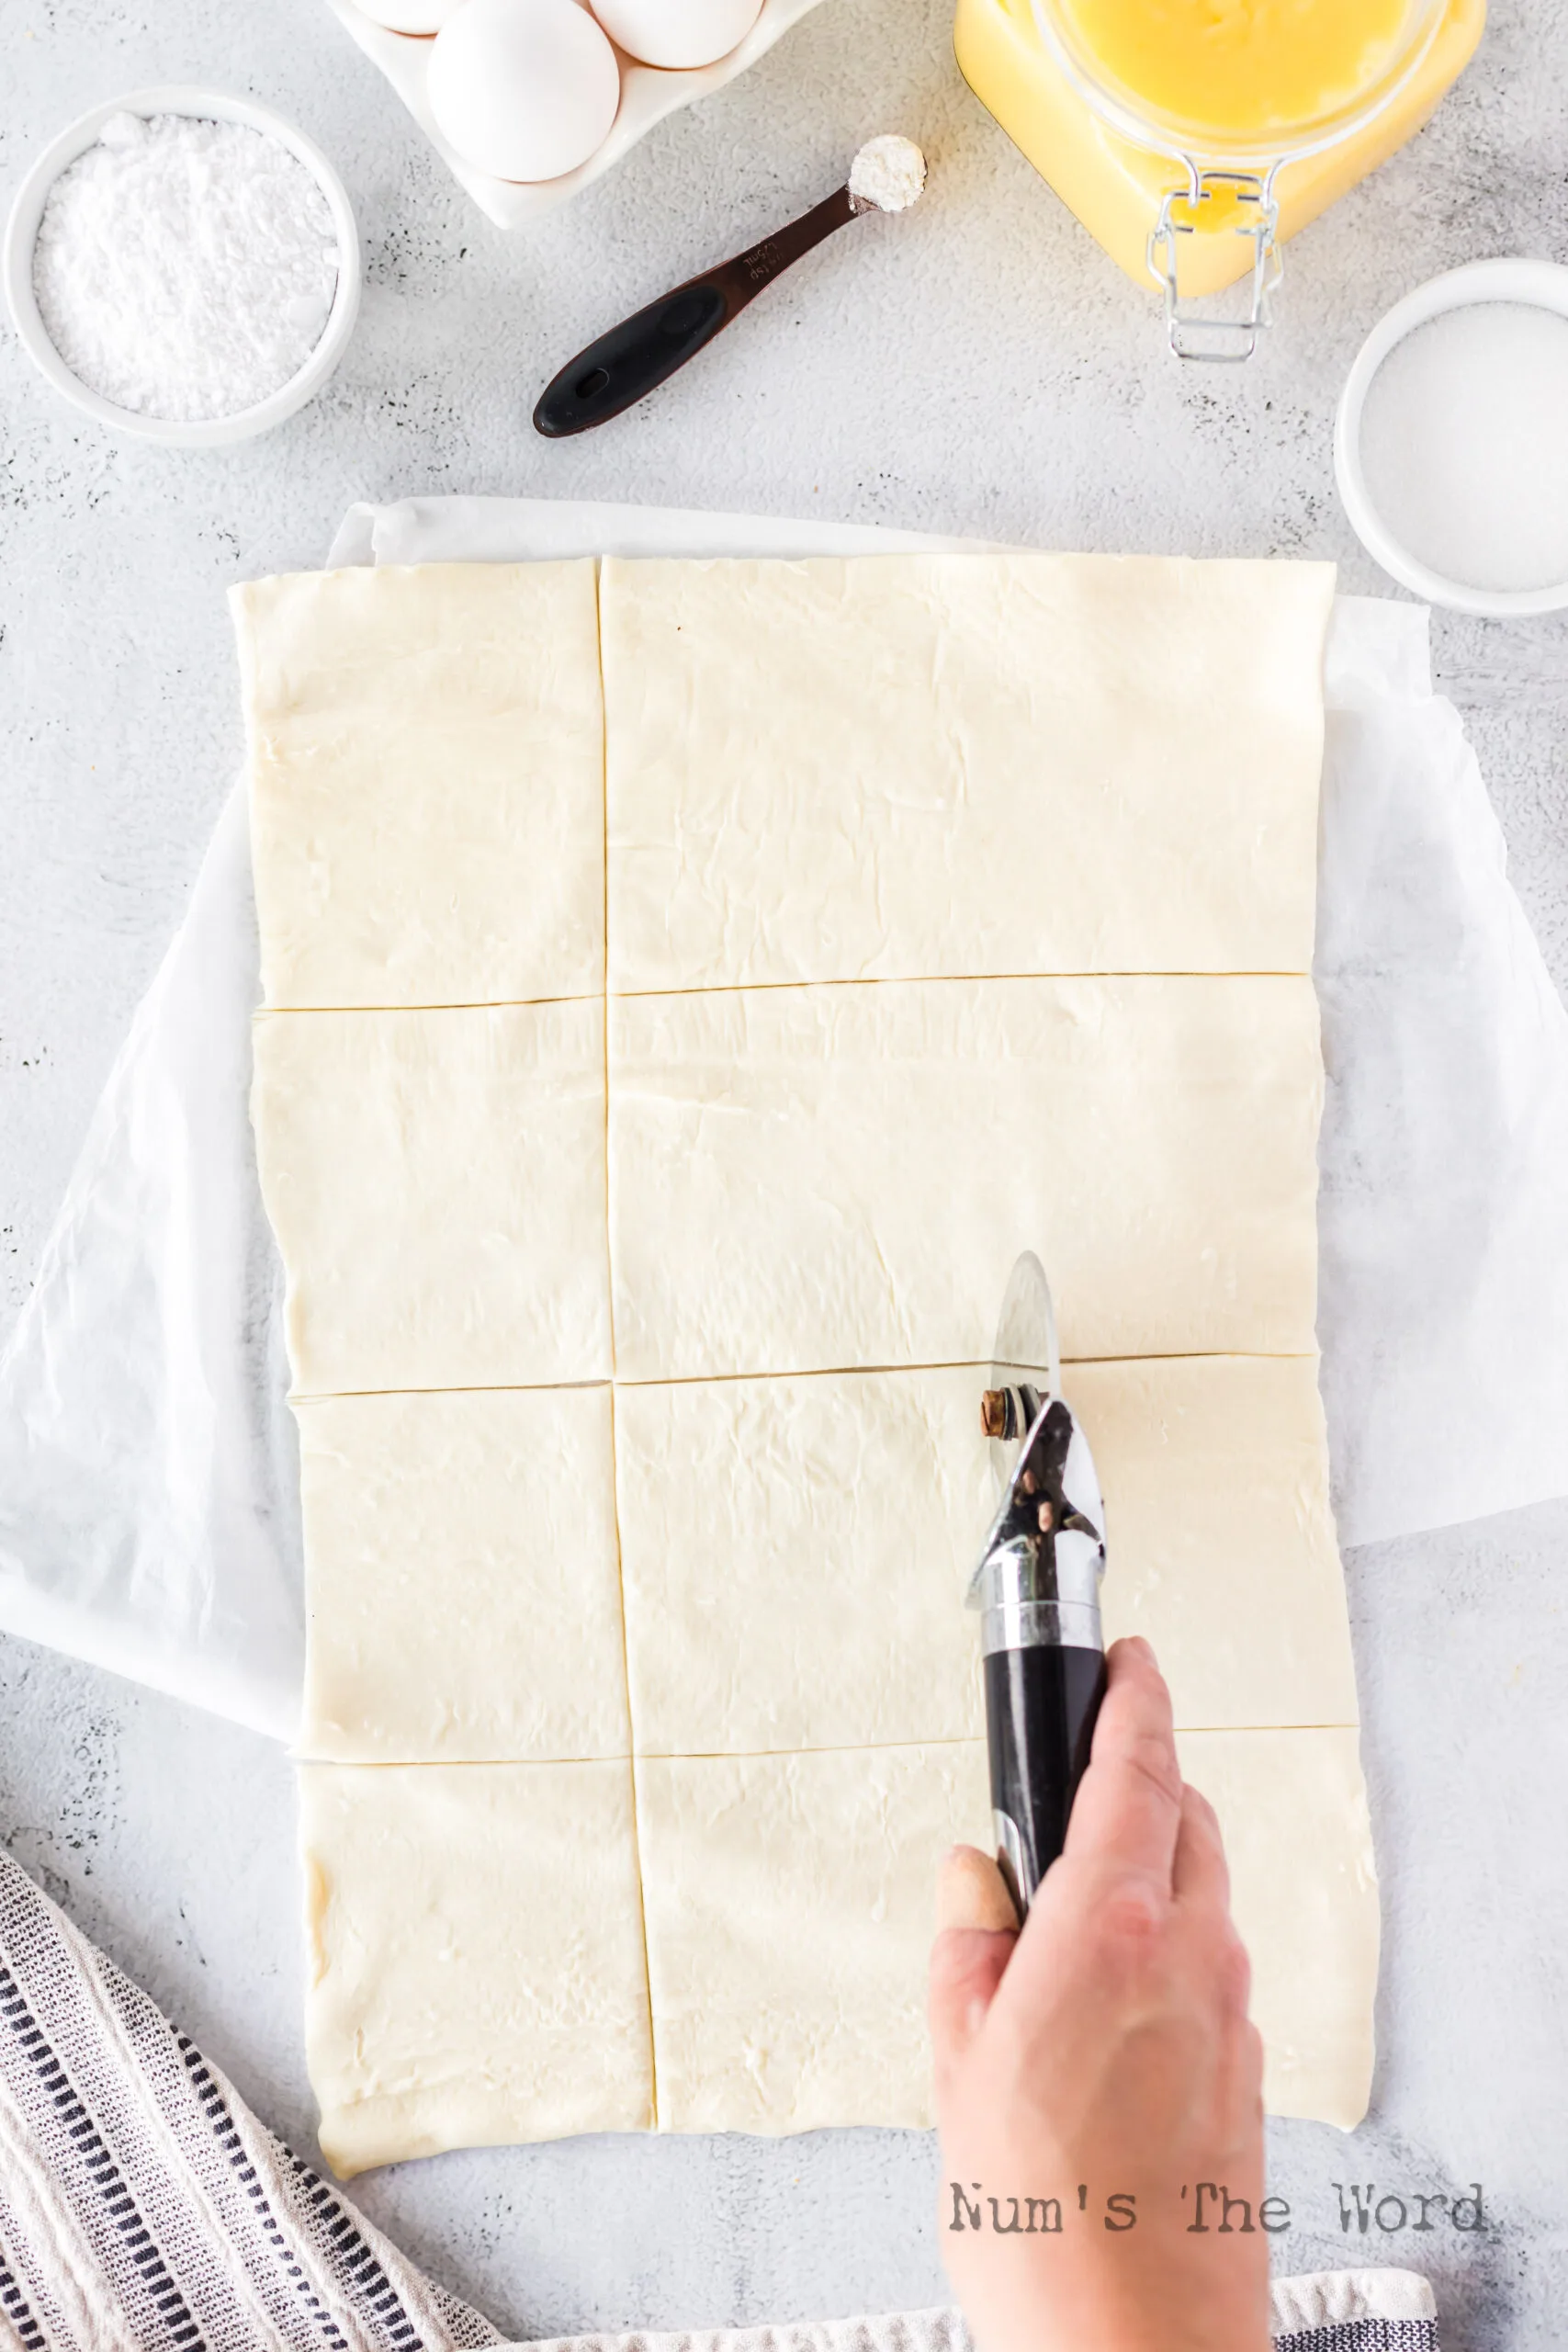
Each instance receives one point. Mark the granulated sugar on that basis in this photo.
(1464, 444)
(185, 268)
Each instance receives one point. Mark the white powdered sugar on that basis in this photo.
(185, 268)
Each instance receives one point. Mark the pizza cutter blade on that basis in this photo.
(1026, 1366)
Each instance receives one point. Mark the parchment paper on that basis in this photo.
(149, 1513)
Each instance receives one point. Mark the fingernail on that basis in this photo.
(970, 1892)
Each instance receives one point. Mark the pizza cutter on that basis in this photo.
(1037, 1589)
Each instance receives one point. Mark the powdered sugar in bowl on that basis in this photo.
(159, 330)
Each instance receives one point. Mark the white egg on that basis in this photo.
(677, 32)
(526, 89)
(409, 16)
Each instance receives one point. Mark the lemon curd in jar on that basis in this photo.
(1249, 68)
(1214, 81)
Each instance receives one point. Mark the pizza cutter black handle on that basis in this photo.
(1042, 1704)
(646, 349)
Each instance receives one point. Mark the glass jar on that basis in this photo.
(1173, 195)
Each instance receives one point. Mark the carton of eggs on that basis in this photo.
(677, 33)
(529, 100)
(526, 89)
(411, 15)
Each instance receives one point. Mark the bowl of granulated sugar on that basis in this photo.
(1449, 444)
(183, 266)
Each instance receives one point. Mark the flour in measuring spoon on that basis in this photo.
(185, 268)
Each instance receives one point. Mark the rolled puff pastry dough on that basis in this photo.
(427, 779)
(436, 1184)
(789, 1919)
(1223, 1551)
(794, 1556)
(463, 1585)
(831, 1178)
(1303, 1889)
(794, 1552)
(897, 767)
(476, 1956)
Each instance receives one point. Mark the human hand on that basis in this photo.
(1104, 2053)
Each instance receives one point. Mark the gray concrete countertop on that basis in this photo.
(978, 366)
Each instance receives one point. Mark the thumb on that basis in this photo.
(977, 1930)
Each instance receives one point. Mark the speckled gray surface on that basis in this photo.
(977, 367)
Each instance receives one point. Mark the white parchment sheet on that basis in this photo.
(149, 1512)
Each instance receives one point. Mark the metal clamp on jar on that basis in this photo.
(1191, 163)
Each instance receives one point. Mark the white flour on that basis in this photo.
(185, 268)
(889, 173)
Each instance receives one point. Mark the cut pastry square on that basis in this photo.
(437, 1183)
(795, 1554)
(789, 1920)
(1303, 1888)
(476, 1958)
(426, 782)
(1222, 1552)
(463, 1597)
(895, 767)
(830, 1179)
(795, 1551)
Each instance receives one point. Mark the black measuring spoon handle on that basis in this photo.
(646, 349)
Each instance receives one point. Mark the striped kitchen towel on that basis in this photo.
(144, 2209)
(1337, 2310)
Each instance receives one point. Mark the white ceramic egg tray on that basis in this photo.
(647, 94)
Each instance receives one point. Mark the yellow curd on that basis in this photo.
(1249, 75)
(1246, 67)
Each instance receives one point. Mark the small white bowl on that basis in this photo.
(21, 236)
(1541, 285)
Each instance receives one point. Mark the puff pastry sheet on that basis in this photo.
(464, 1585)
(823, 1179)
(437, 1183)
(476, 1955)
(680, 1011)
(426, 782)
(901, 767)
(1303, 1888)
(789, 1917)
(796, 1552)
